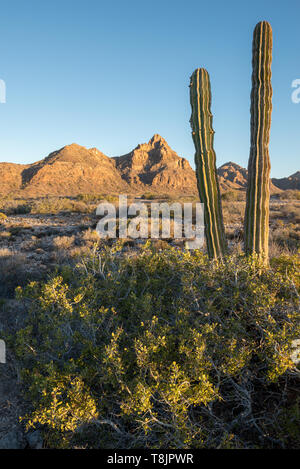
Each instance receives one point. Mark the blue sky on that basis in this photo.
(111, 74)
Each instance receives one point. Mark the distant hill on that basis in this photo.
(291, 182)
(234, 177)
(150, 167)
(71, 170)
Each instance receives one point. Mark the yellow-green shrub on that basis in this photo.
(159, 350)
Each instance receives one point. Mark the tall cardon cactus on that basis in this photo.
(205, 160)
(258, 190)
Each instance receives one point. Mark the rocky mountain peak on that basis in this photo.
(158, 141)
(155, 164)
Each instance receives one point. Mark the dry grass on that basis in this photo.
(63, 242)
(61, 237)
(12, 270)
(46, 205)
(290, 195)
(5, 234)
(89, 237)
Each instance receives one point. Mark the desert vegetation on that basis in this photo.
(159, 348)
(104, 359)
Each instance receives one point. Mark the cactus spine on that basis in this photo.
(258, 189)
(205, 160)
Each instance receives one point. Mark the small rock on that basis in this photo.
(34, 440)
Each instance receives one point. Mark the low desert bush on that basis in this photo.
(290, 195)
(12, 271)
(161, 350)
(233, 196)
(152, 196)
(14, 206)
(286, 236)
(62, 247)
(45, 205)
(59, 204)
(291, 212)
(149, 196)
(90, 237)
(20, 228)
(20, 209)
(90, 197)
(5, 234)
(233, 212)
(63, 242)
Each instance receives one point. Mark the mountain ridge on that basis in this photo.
(290, 182)
(152, 166)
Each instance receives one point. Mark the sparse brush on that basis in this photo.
(63, 242)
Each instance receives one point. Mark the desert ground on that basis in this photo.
(38, 235)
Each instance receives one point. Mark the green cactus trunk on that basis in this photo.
(205, 160)
(258, 189)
